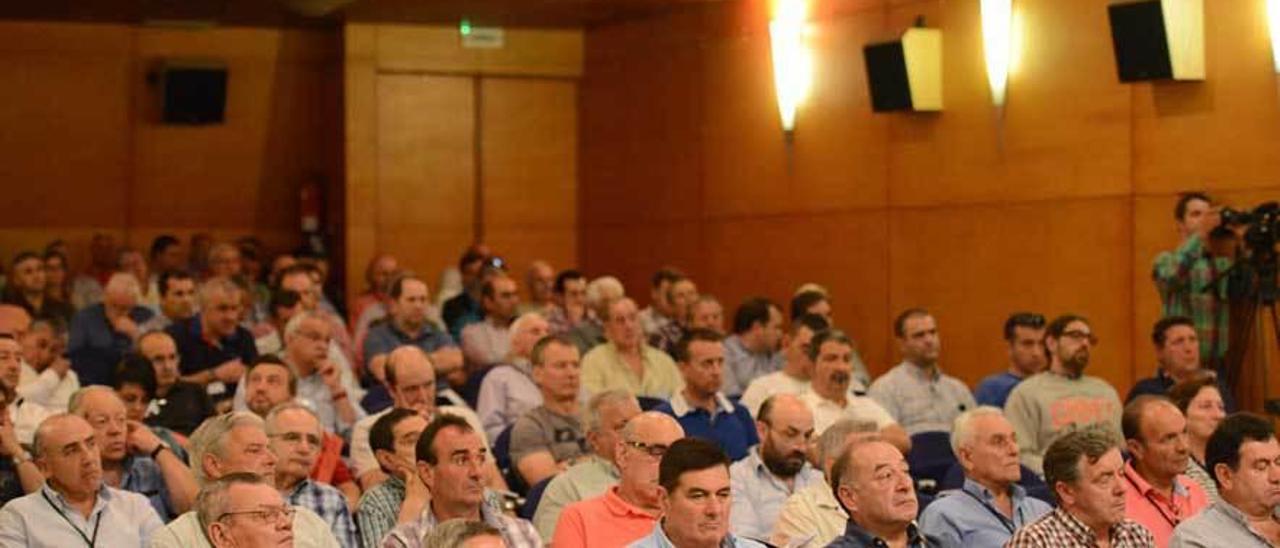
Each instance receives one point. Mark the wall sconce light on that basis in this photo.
(1273, 19)
(792, 61)
(997, 42)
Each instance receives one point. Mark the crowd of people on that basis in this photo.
(201, 395)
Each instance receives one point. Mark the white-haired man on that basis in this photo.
(102, 333)
(508, 391)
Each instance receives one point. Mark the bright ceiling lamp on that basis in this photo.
(997, 42)
(1273, 18)
(792, 61)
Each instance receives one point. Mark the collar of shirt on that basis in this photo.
(920, 373)
(1016, 492)
(852, 530)
(659, 538)
(1078, 529)
(756, 462)
(1235, 515)
(297, 489)
(681, 406)
(617, 506)
(491, 516)
(1145, 489)
(104, 497)
(734, 344)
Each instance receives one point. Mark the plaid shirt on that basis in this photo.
(379, 510)
(328, 503)
(1061, 529)
(516, 533)
(1191, 284)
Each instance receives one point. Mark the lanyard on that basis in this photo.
(1172, 520)
(1006, 522)
(96, 521)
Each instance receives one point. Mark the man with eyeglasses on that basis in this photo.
(295, 434)
(451, 462)
(1062, 398)
(694, 481)
(775, 469)
(74, 507)
(179, 405)
(133, 457)
(230, 443)
(1024, 333)
(626, 511)
(242, 509)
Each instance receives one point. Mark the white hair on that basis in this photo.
(597, 403)
(295, 323)
(525, 318)
(123, 282)
(211, 438)
(603, 288)
(75, 405)
(962, 429)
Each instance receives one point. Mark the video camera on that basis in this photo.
(1263, 224)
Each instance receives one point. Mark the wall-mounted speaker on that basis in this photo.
(192, 93)
(906, 74)
(1158, 39)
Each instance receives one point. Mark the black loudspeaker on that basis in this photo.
(1140, 41)
(193, 95)
(887, 76)
(906, 74)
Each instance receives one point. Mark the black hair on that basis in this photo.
(271, 359)
(689, 455)
(162, 243)
(1062, 458)
(826, 336)
(564, 277)
(1184, 199)
(812, 322)
(425, 451)
(1029, 320)
(136, 369)
(900, 323)
(1161, 328)
(1224, 445)
(801, 302)
(752, 311)
(666, 274)
(162, 283)
(691, 336)
(382, 433)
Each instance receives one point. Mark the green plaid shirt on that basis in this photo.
(1191, 283)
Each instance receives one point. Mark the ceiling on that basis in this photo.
(320, 13)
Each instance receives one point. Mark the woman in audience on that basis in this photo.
(1201, 402)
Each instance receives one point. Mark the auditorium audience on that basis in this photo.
(607, 414)
(706, 313)
(915, 392)
(658, 313)
(382, 269)
(87, 287)
(775, 469)
(1245, 459)
(681, 292)
(569, 307)
(1157, 494)
(550, 438)
(179, 405)
(812, 517)
(753, 348)
(57, 284)
(401, 497)
(135, 386)
(19, 475)
(830, 398)
(1177, 359)
(810, 301)
(600, 292)
(990, 505)
(624, 361)
(406, 322)
(75, 506)
(488, 341)
(1200, 401)
(1024, 334)
(797, 368)
(166, 255)
(296, 439)
(872, 483)
(694, 475)
(1085, 471)
(1189, 278)
(700, 407)
(130, 261)
(212, 346)
(539, 280)
(508, 390)
(627, 510)
(26, 288)
(45, 381)
(242, 509)
(177, 299)
(1062, 398)
(102, 333)
(475, 266)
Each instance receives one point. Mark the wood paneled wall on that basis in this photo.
(81, 150)
(1058, 202)
(448, 145)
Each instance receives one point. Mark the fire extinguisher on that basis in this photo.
(310, 205)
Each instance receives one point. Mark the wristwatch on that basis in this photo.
(20, 457)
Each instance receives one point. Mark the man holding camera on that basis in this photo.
(1190, 278)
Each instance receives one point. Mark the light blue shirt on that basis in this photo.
(741, 366)
(119, 519)
(967, 517)
(758, 495)
(658, 539)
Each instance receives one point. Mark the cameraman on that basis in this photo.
(1190, 278)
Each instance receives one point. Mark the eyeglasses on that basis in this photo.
(1081, 336)
(264, 515)
(656, 450)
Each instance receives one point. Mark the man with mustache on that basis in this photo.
(1085, 471)
(829, 398)
(451, 462)
(1157, 494)
(1062, 398)
(1244, 458)
(627, 510)
(874, 486)
(694, 480)
(74, 508)
(991, 505)
(700, 407)
(242, 509)
(775, 469)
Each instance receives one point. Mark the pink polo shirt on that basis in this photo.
(1155, 511)
(606, 520)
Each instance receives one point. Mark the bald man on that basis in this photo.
(773, 470)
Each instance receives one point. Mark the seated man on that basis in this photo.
(226, 444)
(402, 496)
(1157, 494)
(797, 368)
(488, 341)
(831, 352)
(508, 390)
(26, 288)
(1242, 456)
(133, 457)
(569, 302)
(628, 510)
(706, 313)
(450, 460)
(135, 386)
(180, 406)
(991, 505)
(700, 407)
(775, 469)
(46, 379)
(407, 323)
(916, 393)
(625, 362)
(550, 437)
(607, 414)
(812, 517)
(1086, 473)
(1024, 334)
(19, 475)
(1177, 359)
(242, 509)
(75, 508)
(212, 347)
(680, 296)
(752, 350)
(874, 486)
(177, 299)
(694, 478)
(295, 434)
(102, 333)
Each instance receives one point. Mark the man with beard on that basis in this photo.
(241, 509)
(874, 486)
(916, 392)
(1242, 455)
(775, 469)
(627, 510)
(991, 505)
(74, 507)
(1086, 473)
(694, 480)
(829, 398)
(812, 517)
(1157, 494)
(1063, 398)
(700, 407)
